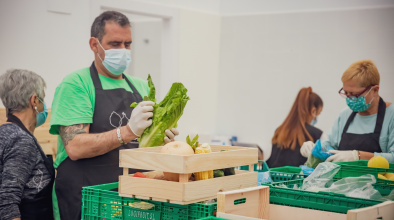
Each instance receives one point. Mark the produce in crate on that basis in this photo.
(178, 148)
(389, 176)
(142, 205)
(203, 175)
(139, 174)
(218, 173)
(193, 143)
(378, 162)
(380, 176)
(165, 114)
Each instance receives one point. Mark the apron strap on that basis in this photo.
(48, 164)
(95, 77)
(351, 117)
(380, 117)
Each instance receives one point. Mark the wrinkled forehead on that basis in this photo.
(352, 85)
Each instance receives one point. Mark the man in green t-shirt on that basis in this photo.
(91, 113)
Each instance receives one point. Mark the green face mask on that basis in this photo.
(358, 104)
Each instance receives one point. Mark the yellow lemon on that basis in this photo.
(389, 176)
(378, 162)
(380, 176)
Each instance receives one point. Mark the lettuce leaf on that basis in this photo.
(165, 114)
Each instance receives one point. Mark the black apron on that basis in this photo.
(112, 109)
(40, 207)
(364, 142)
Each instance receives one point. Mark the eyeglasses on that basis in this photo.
(345, 94)
(42, 101)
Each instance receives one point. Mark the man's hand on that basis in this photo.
(306, 148)
(343, 155)
(170, 135)
(141, 117)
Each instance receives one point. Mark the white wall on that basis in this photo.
(242, 61)
(265, 59)
(199, 45)
(146, 50)
(50, 44)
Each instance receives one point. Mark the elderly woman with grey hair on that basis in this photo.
(26, 173)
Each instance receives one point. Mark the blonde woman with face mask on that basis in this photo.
(366, 128)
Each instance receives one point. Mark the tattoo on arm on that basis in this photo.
(67, 133)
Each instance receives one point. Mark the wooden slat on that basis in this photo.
(3, 116)
(210, 187)
(152, 159)
(256, 204)
(383, 210)
(279, 212)
(135, 186)
(184, 193)
(235, 217)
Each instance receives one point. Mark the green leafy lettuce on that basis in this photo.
(165, 114)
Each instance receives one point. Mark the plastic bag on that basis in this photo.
(306, 170)
(264, 177)
(319, 153)
(295, 186)
(359, 187)
(390, 196)
(321, 177)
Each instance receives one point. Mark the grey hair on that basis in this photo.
(17, 86)
(98, 26)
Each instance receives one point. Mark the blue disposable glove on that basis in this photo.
(322, 155)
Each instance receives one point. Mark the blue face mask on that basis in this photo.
(41, 116)
(314, 121)
(358, 104)
(116, 60)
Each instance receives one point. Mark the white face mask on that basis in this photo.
(116, 60)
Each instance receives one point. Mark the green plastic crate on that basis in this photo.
(359, 168)
(103, 202)
(260, 167)
(287, 169)
(324, 201)
(364, 163)
(281, 176)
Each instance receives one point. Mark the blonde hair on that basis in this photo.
(363, 71)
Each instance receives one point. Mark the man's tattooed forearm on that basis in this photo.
(67, 133)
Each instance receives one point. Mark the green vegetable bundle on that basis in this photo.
(165, 114)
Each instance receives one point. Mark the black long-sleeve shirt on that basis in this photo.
(288, 157)
(22, 170)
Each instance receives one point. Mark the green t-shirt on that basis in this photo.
(74, 102)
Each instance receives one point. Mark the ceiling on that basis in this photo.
(234, 7)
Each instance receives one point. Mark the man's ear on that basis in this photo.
(93, 44)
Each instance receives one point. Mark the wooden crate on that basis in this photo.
(255, 205)
(383, 210)
(184, 192)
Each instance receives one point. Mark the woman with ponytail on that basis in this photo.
(297, 128)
